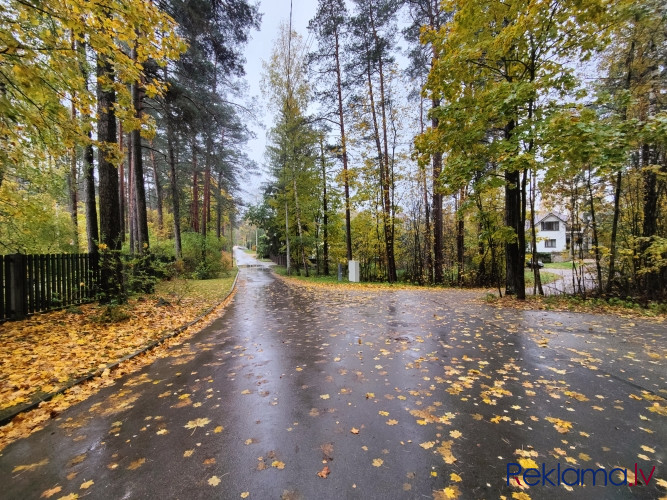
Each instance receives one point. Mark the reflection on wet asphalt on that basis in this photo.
(400, 393)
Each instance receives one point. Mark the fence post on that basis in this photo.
(17, 280)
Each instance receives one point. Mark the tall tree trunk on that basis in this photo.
(297, 213)
(73, 185)
(650, 224)
(438, 243)
(596, 243)
(343, 139)
(173, 184)
(515, 282)
(194, 207)
(158, 190)
(537, 286)
(110, 231)
(428, 240)
(206, 208)
(131, 211)
(139, 187)
(218, 208)
(173, 178)
(460, 238)
(614, 231)
(92, 230)
(325, 209)
(389, 220)
(121, 183)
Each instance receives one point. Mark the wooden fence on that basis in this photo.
(37, 283)
(280, 260)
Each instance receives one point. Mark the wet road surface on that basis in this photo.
(399, 393)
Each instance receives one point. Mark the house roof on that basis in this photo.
(561, 217)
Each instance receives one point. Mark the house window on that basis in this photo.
(550, 243)
(550, 226)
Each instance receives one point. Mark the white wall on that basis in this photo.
(559, 236)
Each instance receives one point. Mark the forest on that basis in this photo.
(425, 139)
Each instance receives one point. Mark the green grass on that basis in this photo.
(209, 291)
(251, 252)
(545, 277)
(560, 265)
(333, 279)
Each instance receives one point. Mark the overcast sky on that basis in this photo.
(258, 49)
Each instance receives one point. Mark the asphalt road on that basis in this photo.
(398, 393)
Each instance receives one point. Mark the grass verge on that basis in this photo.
(545, 277)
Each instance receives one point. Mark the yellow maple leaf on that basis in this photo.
(384, 413)
(377, 462)
(162, 432)
(455, 477)
(30, 467)
(49, 493)
(427, 444)
(214, 481)
(218, 429)
(391, 421)
(86, 485)
(136, 464)
(528, 463)
(188, 453)
(245, 391)
(455, 434)
(449, 493)
(198, 422)
(245, 494)
(354, 430)
(324, 396)
(278, 464)
(520, 495)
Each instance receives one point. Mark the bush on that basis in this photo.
(203, 257)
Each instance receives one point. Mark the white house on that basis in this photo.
(554, 233)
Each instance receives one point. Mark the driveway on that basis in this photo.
(317, 393)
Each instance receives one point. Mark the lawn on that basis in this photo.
(545, 277)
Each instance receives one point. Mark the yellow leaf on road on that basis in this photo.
(199, 422)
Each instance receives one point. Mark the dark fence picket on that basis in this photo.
(3, 285)
(36, 283)
(30, 262)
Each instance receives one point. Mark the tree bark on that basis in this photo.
(325, 210)
(343, 140)
(110, 230)
(121, 184)
(92, 229)
(194, 207)
(72, 186)
(515, 281)
(173, 178)
(139, 187)
(614, 231)
(158, 190)
(206, 208)
(218, 208)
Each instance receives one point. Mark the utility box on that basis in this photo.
(353, 267)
